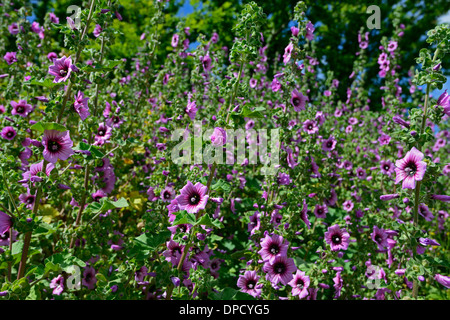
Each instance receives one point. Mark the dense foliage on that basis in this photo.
(120, 178)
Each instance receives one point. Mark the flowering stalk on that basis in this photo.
(27, 238)
(419, 183)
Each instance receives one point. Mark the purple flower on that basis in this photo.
(400, 121)
(219, 137)
(249, 283)
(5, 223)
(379, 236)
(57, 145)
(13, 28)
(57, 284)
(387, 167)
(294, 31)
(21, 108)
(320, 211)
(425, 212)
(298, 100)
(309, 31)
(168, 194)
(53, 18)
(337, 238)
(304, 214)
(392, 46)
(280, 270)
(288, 52)
(272, 247)
(81, 105)
(175, 39)
(439, 197)
(103, 134)
(193, 198)
(361, 173)
(384, 139)
(207, 63)
(444, 280)
(428, 242)
(388, 197)
(10, 57)
(283, 179)
(329, 144)
(444, 101)
(300, 284)
(32, 174)
(348, 205)
(61, 69)
(410, 169)
(8, 133)
(191, 108)
(97, 30)
(310, 126)
(89, 279)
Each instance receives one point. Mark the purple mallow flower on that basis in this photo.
(379, 236)
(280, 270)
(193, 198)
(219, 137)
(57, 284)
(300, 284)
(81, 105)
(21, 108)
(5, 223)
(8, 133)
(57, 145)
(249, 283)
(61, 69)
(410, 169)
(272, 247)
(298, 100)
(10, 57)
(337, 238)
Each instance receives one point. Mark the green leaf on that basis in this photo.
(153, 241)
(95, 152)
(48, 83)
(184, 218)
(221, 185)
(42, 126)
(106, 204)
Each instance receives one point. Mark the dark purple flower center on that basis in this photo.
(279, 268)
(20, 109)
(300, 284)
(29, 199)
(378, 238)
(296, 101)
(116, 119)
(274, 248)
(251, 284)
(10, 134)
(63, 72)
(194, 199)
(320, 211)
(329, 144)
(336, 238)
(101, 132)
(166, 195)
(53, 146)
(411, 169)
(4, 236)
(386, 167)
